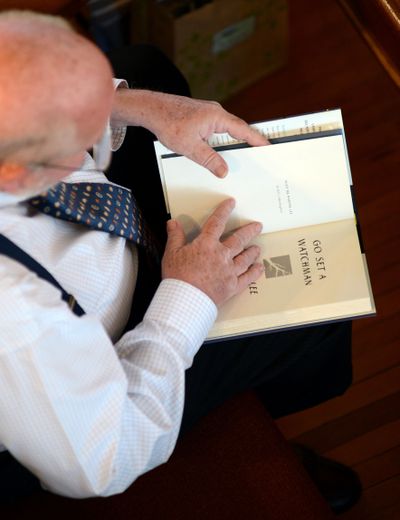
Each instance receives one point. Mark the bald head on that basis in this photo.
(55, 88)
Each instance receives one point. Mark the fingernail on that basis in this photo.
(171, 225)
(221, 171)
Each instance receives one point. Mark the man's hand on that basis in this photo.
(184, 124)
(220, 268)
(189, 123)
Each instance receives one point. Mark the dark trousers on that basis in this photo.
(290, 370)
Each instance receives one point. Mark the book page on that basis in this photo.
(286, 185)
(310, 274)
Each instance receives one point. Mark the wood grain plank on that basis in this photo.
(358, 396)
(345, 428)
(368, 363)
(376, 500)
(376, 331)
(368, 445)
(392, 513)
(379, 468)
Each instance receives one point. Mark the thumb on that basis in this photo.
(176, 236)
(210, 159)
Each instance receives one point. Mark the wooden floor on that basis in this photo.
(330, 66)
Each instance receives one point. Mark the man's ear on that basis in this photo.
(12, 177)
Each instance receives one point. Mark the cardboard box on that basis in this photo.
(220, 47)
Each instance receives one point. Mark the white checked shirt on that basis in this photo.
(85, 412)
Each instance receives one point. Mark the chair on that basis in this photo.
(235, 464)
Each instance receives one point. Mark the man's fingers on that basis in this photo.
(205, 155)
(240, 130)
(216, 222)
(176, 236)
(243, 261)
(210, 159)
(238, 240)
(251, 275)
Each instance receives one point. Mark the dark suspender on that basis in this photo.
(8, 248)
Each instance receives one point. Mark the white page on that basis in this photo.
(284, 186)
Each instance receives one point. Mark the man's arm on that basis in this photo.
(182, 124)
(86, 416)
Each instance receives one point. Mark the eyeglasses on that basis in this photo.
(101, 155)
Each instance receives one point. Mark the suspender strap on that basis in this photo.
(8, 248)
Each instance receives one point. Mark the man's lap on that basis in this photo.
(291, 370)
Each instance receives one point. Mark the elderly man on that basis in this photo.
(95, 344)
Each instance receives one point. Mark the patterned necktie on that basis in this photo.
(100, 206)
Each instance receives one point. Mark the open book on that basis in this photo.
(300, 188)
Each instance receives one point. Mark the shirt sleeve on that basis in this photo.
(86, 416)
(118, 132)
